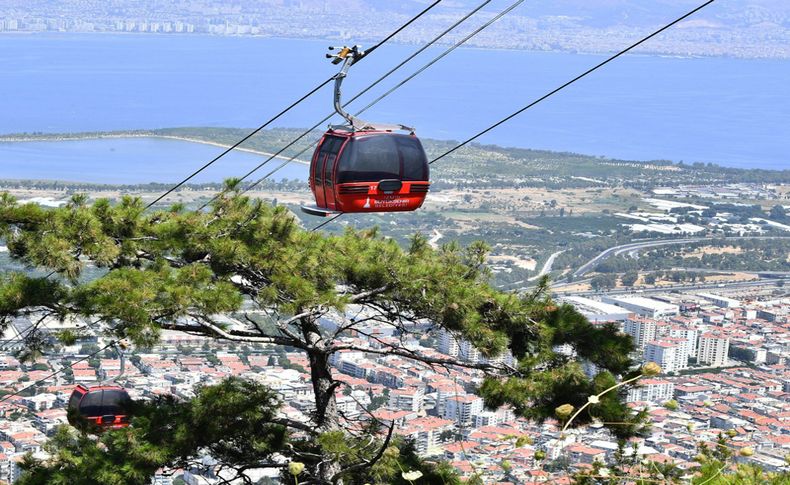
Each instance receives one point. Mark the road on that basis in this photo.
(685, 287)
(638, 246)
(617, 250)
(547, 266)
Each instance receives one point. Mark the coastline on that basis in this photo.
(121, 135)
(666, 53)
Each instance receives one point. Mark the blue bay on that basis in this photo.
(128, 161)
(728, 111)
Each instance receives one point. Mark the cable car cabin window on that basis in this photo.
(104, 402)
(415, 163)
(368, 159)
(330, 146)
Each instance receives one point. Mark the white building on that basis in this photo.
(721, 301)
(427, 432)
(652, 390)
(672, 356)
(486, 418)
(408, 399)
(690, 335)
(355, 368)
(641, 330)
(646, 307)
(597, 311)
(161, 479)
(463, 409)
(346, 405)
(468, 352)
(713, 349)
(503, 358)
(448, 343)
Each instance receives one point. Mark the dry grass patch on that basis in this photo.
(700, 252)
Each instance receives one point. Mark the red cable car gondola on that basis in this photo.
(101, 407)
(366, 167)
(106, 407)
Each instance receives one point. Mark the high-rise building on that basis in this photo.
(652, 390)
(670, 355)
(468, 352)
(448, 343)
(409, 399)
(642, 330)
(713, 349)
(463, 409)
(689, 334)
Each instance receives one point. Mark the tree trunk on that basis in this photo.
(326, 415)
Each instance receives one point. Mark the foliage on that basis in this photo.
(630, 278)
(234, 421)
(176, 270)
(715, 467)
(754, 255)
(603, 282)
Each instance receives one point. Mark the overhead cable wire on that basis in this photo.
(400, 84)
(326, 222)
(393, 89)
(236, 145)
(445, 53)
(399, 30)
(59, 371)
(21, 336)
(330, 115)
(555, 91)
(577, 78)
(284, 111)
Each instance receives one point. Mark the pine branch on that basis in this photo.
(366, 464)
(409, 354)
(210, 329)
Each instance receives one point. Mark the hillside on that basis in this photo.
(527, 204)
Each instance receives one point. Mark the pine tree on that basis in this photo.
(176, 270)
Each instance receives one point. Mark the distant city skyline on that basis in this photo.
(742, 28)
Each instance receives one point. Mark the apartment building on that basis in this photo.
(713, 349)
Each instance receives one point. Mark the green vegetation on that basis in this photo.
(751, 255)
(629, 279)
(530, 203)
(175, 269)
(483, 166)
(603, 282)
(717, 465)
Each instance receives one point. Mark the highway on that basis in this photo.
(617, 250)
(638, 246)
(680, 287)
(547, 266)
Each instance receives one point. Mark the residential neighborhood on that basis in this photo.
(724, 370)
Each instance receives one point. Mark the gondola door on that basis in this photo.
(325, 187)
(318, 178)
(329, 186)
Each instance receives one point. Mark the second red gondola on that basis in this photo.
(106, 407)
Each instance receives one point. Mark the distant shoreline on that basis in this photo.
(654, 164)
(121, 135)
(665, 54)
